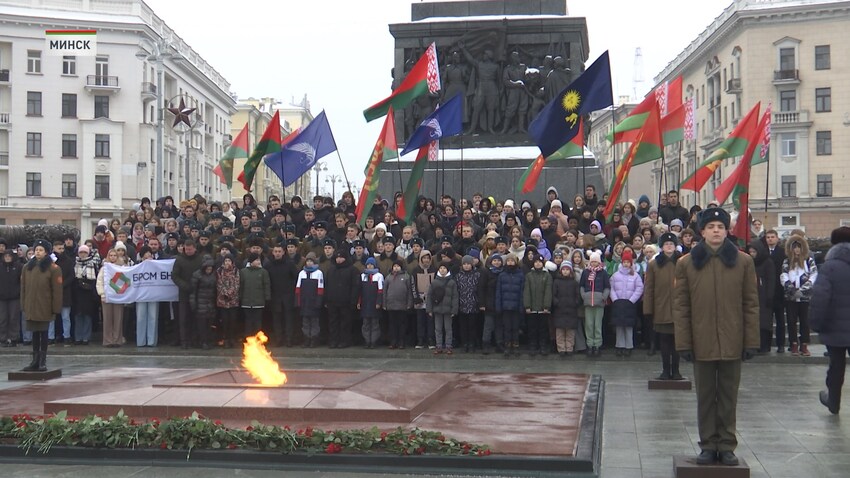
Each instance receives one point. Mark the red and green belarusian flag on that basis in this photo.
(424, 78)
(414, 182)
(237, 149)
(763, 150)
(385, 148)
(647, 146)
(668, 98)
(734, 145)
(528, 181)
(269, 143)
(738, 183)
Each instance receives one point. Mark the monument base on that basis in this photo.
(656, 384)
(35, 376)
(686, 467)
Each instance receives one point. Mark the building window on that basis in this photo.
(69, 146)
(822, 57)
(789, 186)
(789, 144)
(35, 222)
(33, 184)
(69, 222)
(33, 61)
(101, 146)
(101, 187)
(101, 106)
(33, 103)
(101, 70)
(824, 185)
(824, 143)
(69, 105)
(69, 185)
(69, 65)
(823, 100)
(787, 59)
(788, 100)
(33, 144)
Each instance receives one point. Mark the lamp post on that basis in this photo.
(318, 168)
(333, 179)
(160, 53)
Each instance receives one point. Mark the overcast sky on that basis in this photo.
(339, 52)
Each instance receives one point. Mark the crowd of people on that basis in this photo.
(477, 274)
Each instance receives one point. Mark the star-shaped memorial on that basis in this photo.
(182, 114)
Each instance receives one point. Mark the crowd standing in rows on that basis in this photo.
(475, 274)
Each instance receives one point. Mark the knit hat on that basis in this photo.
(82, 248)
(539, 258)
(381, 225)
(595, 256)
(676, 222)
(840, 235)
(467, 259)
(525, 205)
(512, 257)
(713, 214)
(567, 264)
(509, 203)
(311, 256)
(653, 209)
(492, 235)
(372, 261)
(556, 203)
(474, 252)
(597, 224)
(103, 222)
(150, 227)
(120, 245)
(496, 257)
(627, 255)
(558, 253)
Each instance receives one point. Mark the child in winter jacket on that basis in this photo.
(371, 299)
(442, 303)
(565, 304)
(254, 291)
(423, 274)
(309, 295)
(626, 291)
(468, 279)
(398, 300)
(595, 288)
(227, 299)
(537, 297)
(509, 302)
(799, 273)
(492, 335)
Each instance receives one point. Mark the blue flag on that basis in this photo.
(443, 122)
(558, 122)
(299, 155)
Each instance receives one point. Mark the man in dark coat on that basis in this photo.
(342, 286)
(184, 266)
(67, 265)
(829, 314)
(673, 210)
(716, 311)
(283, 272)
(777, 255)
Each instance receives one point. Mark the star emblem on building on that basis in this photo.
(182, 114)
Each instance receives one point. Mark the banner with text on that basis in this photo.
(149, 281)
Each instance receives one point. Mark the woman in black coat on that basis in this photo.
(829, 314)
(766, 273)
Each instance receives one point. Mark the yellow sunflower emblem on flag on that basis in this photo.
(571, 102)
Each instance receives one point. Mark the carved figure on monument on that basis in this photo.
(546, 67)
(486, 98)
(455, 78)
(513, 79)
(559, 78)
(538, 101)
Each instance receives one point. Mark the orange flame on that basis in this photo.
(259, 362)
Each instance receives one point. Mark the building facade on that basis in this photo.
(78, 134)
(789, 54)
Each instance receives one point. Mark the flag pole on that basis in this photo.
(282, 181)
(660, 182)
(679, 162)
(461, 169)
(443, 175)
(766, 184)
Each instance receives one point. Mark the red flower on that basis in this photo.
(249, 428)
(286, 427)
(232, 446)
(300, 432)
(441, 438)
(383, 436)
(309, 431)
(466, 446)
(21, 424)
(163, 446)
(487, 452)
(217, 422)
(132, 422)
(420, 450)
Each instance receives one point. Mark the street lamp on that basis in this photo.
(333, 179)
(318, 168)
(160, 53)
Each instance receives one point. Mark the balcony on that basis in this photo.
(4, 77)
(102, 84)
(733, 86)
(5, 121)
(4, 159)
(786, 77)
(790, 117)
(148, 91)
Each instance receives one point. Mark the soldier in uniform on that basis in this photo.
(513, 79)
(716, 310)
